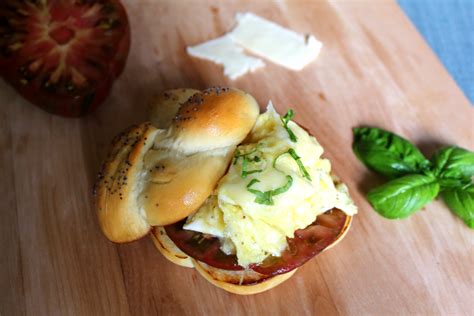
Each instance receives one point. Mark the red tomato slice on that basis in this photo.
(306, 243)
(201, 247)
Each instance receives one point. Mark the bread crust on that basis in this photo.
(342, 233)
(213, 118)
(226, 280)
(155, 177)
(168, 249)
(181, 185)
(117, 183)
(164, 106)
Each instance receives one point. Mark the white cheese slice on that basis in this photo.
(225, 52)
(274, 42)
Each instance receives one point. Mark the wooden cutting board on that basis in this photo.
(374, 69)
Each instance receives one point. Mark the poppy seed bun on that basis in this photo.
(213, 118)
(156, 177)
(178, 184)
(118, 185)
(165, 106)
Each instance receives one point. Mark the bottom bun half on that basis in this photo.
(342, 233)
(168, 249)
(244, 282)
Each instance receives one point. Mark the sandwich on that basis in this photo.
(244, 198)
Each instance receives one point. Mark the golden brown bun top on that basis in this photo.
(165, 106)
(213, 118)
(156, 177)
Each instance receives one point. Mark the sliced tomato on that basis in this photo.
(306, 243)
(201, 247)
(63, 55)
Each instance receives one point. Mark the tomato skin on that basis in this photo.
(305, 244)
(67, 62)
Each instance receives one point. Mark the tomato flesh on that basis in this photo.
(63, 55)
(306, 243)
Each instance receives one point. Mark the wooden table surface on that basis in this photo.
(374, 69)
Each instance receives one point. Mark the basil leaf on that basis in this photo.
(461, 202)
(266, 197)
(401, 197)
(453, 162)
(285, 119)
(387, 153)
(446, 183)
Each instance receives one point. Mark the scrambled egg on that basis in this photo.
(253, 217)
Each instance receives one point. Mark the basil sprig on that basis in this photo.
(387, 153)
(416, 180)
(285, 120)
(297, 158)
(266, 197)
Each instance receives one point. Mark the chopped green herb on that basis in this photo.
(297, 158)
(245, 172)
(237, 155)
(285, 119)
(246, 160)
(252, 182)
(266, 197)
(244, 164)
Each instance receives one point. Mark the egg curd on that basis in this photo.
(276, 184)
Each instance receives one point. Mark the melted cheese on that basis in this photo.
(252, 230)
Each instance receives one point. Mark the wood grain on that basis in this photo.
(374, 69)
